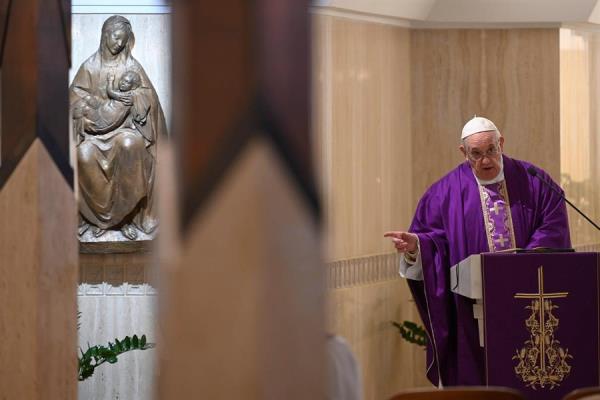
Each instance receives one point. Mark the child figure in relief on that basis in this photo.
(104, 116)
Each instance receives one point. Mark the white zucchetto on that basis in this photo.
(476, 125)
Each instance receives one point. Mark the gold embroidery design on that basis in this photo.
(489, 223)
(542, 362)
(508, 216)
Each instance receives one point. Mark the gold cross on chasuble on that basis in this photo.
(497, 207)
(502, 240)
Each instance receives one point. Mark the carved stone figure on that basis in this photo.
(117, 121)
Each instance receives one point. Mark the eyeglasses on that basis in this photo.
(478, 155)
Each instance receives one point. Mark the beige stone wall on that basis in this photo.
(363, 138)
(580, 130)
(362, 125)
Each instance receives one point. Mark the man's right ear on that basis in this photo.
(463, 150)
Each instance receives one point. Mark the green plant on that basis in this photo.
(95, 356)
(412, 332)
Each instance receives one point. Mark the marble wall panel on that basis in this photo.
(580, 130)
(363, 133)
(362, 129)
(117, 298)
(508, 75)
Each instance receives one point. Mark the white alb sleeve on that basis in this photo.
(410, 270)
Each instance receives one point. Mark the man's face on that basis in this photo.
(484, 151)
(116, 41)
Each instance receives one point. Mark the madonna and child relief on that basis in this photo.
(117, 122)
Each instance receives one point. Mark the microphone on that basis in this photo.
(533, 172)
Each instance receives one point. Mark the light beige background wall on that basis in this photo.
(580, 130)
(363, 135)
(362, 93)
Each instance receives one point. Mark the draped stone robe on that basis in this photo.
(449, 221)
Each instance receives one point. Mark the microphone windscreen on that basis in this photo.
(532, 171)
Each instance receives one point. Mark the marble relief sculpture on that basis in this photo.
(117, 121)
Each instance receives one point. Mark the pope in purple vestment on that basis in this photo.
(488, 203)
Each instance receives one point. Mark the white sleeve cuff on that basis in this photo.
(414, 270)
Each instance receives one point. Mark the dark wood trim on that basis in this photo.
(35, 100)
(240, 70)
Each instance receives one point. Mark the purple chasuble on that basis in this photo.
(450, 224)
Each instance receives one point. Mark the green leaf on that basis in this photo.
(95, 356)
(411, 332)
(112, 359)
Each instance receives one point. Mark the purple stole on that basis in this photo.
(497, 217)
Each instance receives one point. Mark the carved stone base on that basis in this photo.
(114, 242)
(130, 246)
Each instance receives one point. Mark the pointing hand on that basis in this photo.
(403, 241)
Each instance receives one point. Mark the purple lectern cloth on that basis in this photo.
(450, 225)
(575, 328)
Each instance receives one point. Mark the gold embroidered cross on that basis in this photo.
(543, 308)
(502, 240)
(497, 207)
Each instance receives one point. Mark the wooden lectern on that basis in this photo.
(538, 315)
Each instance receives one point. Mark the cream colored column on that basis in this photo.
(579, 131)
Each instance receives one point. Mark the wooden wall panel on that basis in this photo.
(243, 304)
(508, 75)
(363, 132)
(580, 130)
(38, 276)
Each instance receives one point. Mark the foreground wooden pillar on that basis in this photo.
(38, 244)
(242, 295)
